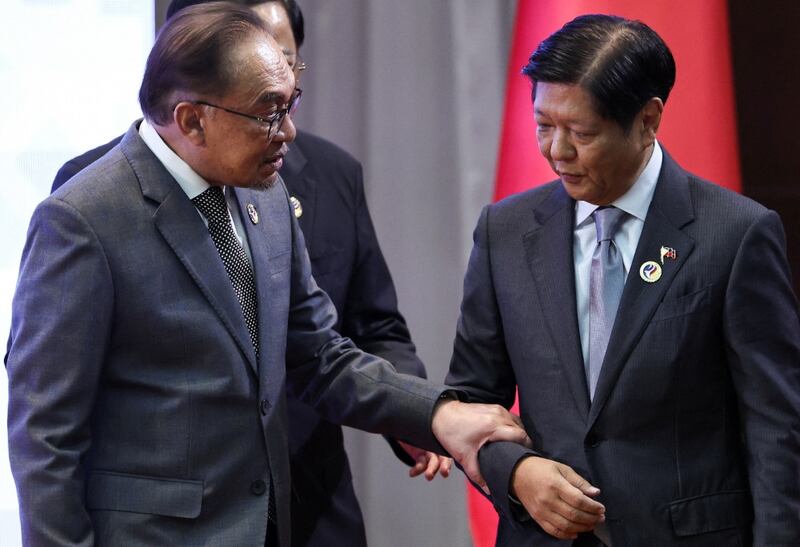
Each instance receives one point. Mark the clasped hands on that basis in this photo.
(462, 429)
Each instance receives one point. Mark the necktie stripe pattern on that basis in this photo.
(606, 281)
(211, 203)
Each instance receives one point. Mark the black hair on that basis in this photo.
(620, 62)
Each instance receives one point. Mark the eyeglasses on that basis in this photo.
(274, 121)
(299, 64)
(296, 62)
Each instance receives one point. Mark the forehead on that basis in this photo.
(568, 101)
(264, 75)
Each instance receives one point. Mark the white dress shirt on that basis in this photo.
(192, 183)
(635, 202)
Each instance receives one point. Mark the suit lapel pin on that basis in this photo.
(251, 211)
(668, 252)
(298, 208)
(650, 271)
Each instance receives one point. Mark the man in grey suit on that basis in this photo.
(645, 316)
(165, 304)
(326, 185)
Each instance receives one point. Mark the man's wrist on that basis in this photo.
(446, 396)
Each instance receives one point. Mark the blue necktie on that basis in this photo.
(606, 281)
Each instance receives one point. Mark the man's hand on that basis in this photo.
(463, 428)
(556, 497)
(428, 463)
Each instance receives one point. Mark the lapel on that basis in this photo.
(269, 258)
(548, 249)
(670, 210)
(301, 183)
(182, 228)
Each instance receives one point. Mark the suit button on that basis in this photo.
(264, 407)
(258, 487)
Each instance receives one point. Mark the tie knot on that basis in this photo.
(607, 221)
(212, 204)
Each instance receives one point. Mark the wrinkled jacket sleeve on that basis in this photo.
(480, 365)
(762, 333)
(64, 298)
(344, 384)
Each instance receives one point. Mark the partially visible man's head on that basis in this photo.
(284, 20)
(213, 81)
(621, 63)
(292, 10)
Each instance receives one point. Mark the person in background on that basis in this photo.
(164, 306)
(645, 316)
(327, 191)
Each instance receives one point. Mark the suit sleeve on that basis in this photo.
(762, 332)
(480, 365)
(370, 317)
(64, 297)
(344, 384)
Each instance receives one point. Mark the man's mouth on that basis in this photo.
(275, 161)
(570, 178)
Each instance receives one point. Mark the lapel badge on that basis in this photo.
(251, 211)
(650, 271)
(668, 252)
(298, 208)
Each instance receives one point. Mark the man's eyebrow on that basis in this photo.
(271, 97)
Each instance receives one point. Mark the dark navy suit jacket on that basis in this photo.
(347, 263)
(693, 434)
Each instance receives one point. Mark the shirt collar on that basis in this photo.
(191, 183)
(636, 201)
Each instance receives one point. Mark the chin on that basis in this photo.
(576, 193)
(581, 193)
(267, 182)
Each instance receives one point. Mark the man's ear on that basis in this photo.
(189, 119)
(649, 119)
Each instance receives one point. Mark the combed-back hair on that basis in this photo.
(292, 8)
(192, 53)
(620, 62)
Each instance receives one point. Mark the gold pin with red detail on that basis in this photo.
(252, 213)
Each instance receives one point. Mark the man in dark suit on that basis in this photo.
(327, 190)
(645, 316)
(165, 304)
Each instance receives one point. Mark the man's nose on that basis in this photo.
(561, 148)
(287, 131)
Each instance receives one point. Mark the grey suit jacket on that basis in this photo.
(692, 435)
(138, 412)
